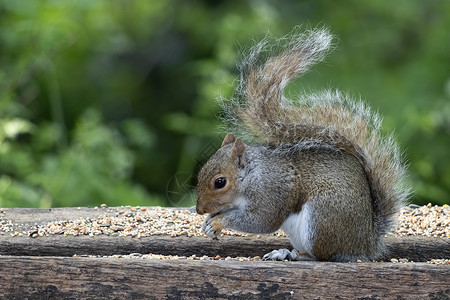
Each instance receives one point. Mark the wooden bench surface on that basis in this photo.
(44, 267)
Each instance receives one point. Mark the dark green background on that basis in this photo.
(114, 101)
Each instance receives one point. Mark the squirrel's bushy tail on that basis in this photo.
(260, 111)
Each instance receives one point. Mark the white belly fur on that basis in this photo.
(299, 227)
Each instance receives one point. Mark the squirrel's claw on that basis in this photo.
(285, 254)
(212, 226)
(280, 254)
(210, 232)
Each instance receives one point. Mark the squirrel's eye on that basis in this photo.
(220, 182)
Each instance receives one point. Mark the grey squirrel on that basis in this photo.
(317, 167)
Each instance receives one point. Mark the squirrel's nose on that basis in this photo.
(199, 210)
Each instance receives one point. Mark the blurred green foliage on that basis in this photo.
(113, 101)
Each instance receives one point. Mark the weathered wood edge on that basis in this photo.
(415, 248)
(412, 248)
(82, 278)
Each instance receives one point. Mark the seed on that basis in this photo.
(34, 234)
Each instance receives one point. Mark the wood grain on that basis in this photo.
(87, 278)
(413, 248)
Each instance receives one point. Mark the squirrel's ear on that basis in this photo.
(229, 138)
(239, 152)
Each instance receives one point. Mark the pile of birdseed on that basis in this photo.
(131, 221)
(138, 222)
(128, 221)
(432, 221)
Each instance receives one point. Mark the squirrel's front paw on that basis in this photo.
(213, 226)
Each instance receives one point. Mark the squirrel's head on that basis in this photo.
(217, 180)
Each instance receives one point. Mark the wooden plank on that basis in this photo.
(84, 278)
(58, 245)
(412, 248)
(34, 271)
(415, 248)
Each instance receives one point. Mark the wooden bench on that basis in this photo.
(45, 267)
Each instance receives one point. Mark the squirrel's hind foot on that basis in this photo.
(285, 254)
